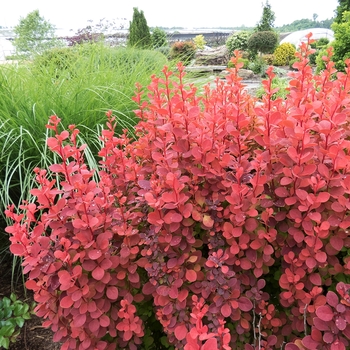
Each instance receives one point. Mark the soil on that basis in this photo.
(33, 336)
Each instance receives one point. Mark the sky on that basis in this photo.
(74, 14)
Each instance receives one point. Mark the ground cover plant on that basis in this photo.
(13, 314)
(224, 221)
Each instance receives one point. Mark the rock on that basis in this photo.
(215, 57)
(245, 74)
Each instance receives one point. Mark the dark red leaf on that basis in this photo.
(332, 299)
(245, 304)
(325, 313)
(226, 310)
(336, 242)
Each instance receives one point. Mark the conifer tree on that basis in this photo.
(139, 33)
(267, 20)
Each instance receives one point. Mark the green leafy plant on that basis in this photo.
(283, 54)
(13, 314)
(263, 42)
(341, 44)
(278, 84)
(258, 66)
(318, 45)
(245, 62)
(159, 38)
(238, 41)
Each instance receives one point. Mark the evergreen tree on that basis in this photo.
(267, 20)
(139, 33)
(344, 5)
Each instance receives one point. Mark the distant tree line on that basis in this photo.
(305, 23)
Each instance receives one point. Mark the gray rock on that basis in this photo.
(217, 57)
(245, 74)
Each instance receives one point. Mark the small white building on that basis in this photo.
(296, 38)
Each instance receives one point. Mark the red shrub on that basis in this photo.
(231, 216)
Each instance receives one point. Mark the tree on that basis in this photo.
(341, 44)
(344, 5)
(159, 38)
(34, 34)
(263, 42)
(266, 23)
(139, 33)
(314, 17)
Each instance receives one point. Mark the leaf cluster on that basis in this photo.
(159, 38)
(263, 42)
(283, 54)
(230, 217)
(13, 314)
(238, 41)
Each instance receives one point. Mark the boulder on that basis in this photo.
(245, 74)
(216, 57)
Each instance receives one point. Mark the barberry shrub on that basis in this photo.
(231, 217)
(183, 51)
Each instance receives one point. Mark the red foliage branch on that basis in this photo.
(231, 215)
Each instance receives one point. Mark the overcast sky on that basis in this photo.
(73, 14)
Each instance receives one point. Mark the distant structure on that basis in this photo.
(296, 38)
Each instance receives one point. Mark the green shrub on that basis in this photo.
(322, 42)
(238, 41)
(165, 50)
(280, 83)
(159, 38)
(341, 44)
(291, 63)
(13, 314)
(60, 61)
(320, 63)
(199, 41)
(268, 59)
(183, 51)
(283, 54)
(317, 46)
(263, 42)
(244, 60)
(258, 66)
